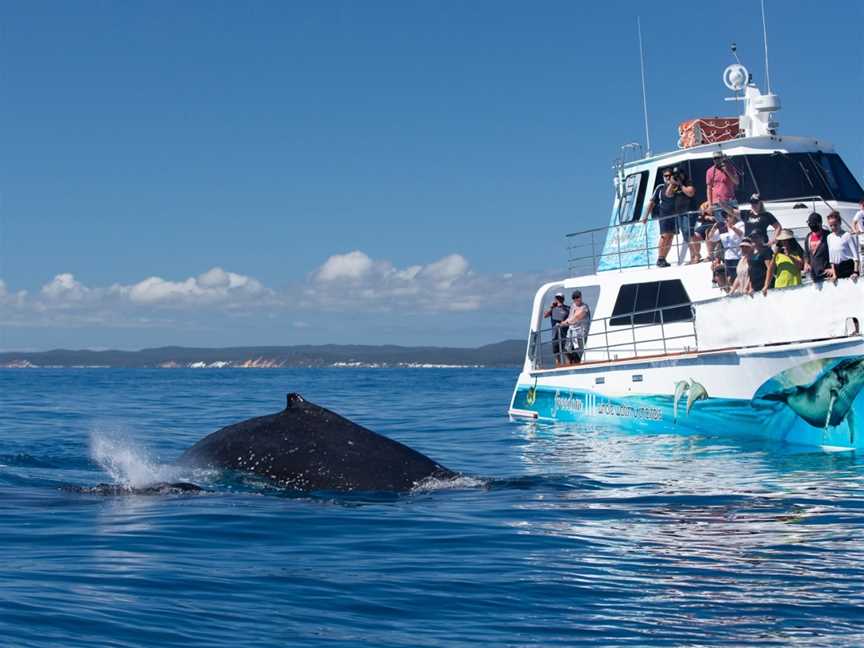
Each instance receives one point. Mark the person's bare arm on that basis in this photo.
(769, 276)
(708, 184)
(648, 210)
(688, 190)
(731, 173)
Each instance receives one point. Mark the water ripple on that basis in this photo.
(555, 536)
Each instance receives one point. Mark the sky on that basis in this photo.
(231, 174)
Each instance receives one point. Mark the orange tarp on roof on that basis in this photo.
(707, 130)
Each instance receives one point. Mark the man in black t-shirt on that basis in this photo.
(759, 220)
(671, 201)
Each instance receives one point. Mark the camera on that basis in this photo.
(678, 175)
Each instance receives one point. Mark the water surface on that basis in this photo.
(560, 536)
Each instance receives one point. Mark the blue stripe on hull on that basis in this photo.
(818, 403)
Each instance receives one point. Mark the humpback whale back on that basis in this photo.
(307, 447)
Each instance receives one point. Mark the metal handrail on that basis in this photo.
(538, 344)
(597, 257)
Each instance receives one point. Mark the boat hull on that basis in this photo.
(810, 394)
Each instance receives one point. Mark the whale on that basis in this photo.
(306, 447)
(828, 400)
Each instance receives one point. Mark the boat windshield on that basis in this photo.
(781, 175)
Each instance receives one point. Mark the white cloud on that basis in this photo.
(351, 266)
(64, 287)
(352, 282)
(445, 285)
(216, 286)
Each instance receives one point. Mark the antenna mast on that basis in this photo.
(765, 40)
(644, 95)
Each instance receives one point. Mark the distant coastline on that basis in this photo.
(508, 353)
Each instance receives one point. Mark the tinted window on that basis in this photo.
(634, 193)
(653, 296)
(780, 175)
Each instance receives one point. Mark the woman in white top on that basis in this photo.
(842, 250)
(730, 237)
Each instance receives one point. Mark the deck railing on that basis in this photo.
(606, 342)
(635, 244)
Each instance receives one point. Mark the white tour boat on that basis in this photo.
(670, 351)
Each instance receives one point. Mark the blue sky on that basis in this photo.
(221, 173)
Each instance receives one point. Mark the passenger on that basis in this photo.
(671, 200)
(858, 225)
(721, 180)
(705, 221)
(759, 260)
(579, 321)
(756, 219)
(816, 260)
(729, 235)
(786, 265)
(741, 285)
(557, 313)
(842, 250)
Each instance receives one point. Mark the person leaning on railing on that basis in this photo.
(704, 222)
(842, 250)
(816, 260)
(728, 234)
(785, 267)
(741, 285)
(578, 323)
(759, 261)
(858, 222)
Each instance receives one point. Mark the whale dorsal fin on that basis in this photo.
(294, 399)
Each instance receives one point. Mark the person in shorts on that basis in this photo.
(671, 200)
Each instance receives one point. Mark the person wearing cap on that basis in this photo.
(578, 323)
(759, 260)
(741, 285)
(842, 250)
(721, 180)
(816, 260)
(784, 268)
(757, 219)
(670, 203)
(557, 312)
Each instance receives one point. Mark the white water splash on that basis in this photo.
(461, 482)
(126, 463)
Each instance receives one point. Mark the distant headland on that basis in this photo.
(508, 353)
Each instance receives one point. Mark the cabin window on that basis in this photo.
(669, 296)
(631, 197)
(778, 175)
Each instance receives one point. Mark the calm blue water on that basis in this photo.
(564, 536)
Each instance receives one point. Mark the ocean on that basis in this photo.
(556, 535)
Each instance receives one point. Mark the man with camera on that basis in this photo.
(558, 312)
(670, 202)
(722, 180)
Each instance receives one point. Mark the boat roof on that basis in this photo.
(738, 146)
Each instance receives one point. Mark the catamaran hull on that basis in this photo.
(810, 394)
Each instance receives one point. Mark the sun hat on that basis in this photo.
(755, 198)
(785, 235)
(746, 241)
